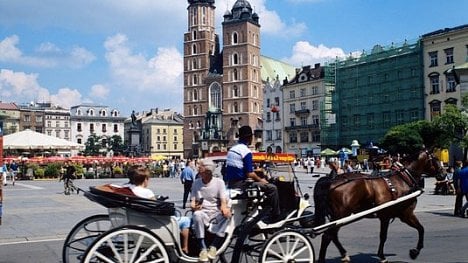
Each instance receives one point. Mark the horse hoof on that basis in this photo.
(346, 259)
(414, 253)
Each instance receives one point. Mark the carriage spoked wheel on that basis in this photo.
(248, 242)
(82, 235)
(288, 246)
(128, 244)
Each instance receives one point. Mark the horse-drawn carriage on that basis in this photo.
(141, 230)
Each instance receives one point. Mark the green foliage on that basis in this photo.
(453, 124)
(89, 175)
(52, 170)
(38, 173)
(96, 145)
(403, 139)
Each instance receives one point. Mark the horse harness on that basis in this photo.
(397, 169)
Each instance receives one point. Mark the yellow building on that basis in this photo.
(162, 134)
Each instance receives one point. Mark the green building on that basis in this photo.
(367, 95)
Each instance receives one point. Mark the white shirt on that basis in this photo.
(143, 192)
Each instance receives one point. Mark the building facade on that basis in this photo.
(11, 121)
(222, 88)
(32, 117)
(374, 92)
(302, 97)
(87, 119)
(162, 133)
(443, 50)
(57, 122)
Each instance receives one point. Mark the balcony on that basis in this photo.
(302, 112)
(302, 127)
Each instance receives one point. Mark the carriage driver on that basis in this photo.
(239, 167)
(210, 208)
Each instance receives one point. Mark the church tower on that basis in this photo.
(242, 85)
(222, 89)
(199, 51)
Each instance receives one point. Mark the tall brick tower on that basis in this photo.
(222, 90)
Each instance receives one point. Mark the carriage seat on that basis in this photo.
(112, 196)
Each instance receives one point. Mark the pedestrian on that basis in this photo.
(13, 171)
(209, 203)
(239, 168)
(187, 177)
(456, 186)
(463, 183)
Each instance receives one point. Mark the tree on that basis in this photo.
(453, 123)
(116, 145)
(93, 145)
(403, 139)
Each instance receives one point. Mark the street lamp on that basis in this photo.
(274, 109)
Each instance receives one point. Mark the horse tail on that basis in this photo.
(321, 190)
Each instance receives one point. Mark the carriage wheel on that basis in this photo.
(127, 244)
(249, 242)
(82, 235)
(288, 246)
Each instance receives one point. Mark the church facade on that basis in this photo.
(222, 86)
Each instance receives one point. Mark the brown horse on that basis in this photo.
(355, 192)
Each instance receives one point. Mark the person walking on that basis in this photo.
(187, 177)
(463, 183)
(456, 186)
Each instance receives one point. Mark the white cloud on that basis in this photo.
(99, 91)
(270, 21)
(66, 97)
(48, 55)
(22, 87)
(305, 53)
(159, 74)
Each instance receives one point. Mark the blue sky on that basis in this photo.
(127, 54)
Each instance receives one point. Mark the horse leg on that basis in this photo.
(339, 246)
(326, 239)
(384, 222)
(413, 222)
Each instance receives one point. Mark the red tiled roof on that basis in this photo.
(8, 106)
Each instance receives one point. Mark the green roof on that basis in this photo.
(272, 68)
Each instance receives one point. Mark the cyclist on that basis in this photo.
(68, 176)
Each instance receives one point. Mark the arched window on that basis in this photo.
(235, 91)
(194, 49)
(195, 110)
(194, 35)
(235, 108)
(91, 112)
(215, 95)
(78, 112)
(195, 95)
(235, 59)
(255, 92)
(235, 75)
(194, 64)
(235, 39)
(195, 79)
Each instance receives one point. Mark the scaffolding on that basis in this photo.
(370, 93)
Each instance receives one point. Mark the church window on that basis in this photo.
(194, 64)
(194, 49)
(235, 59)
(194, 35)
(235, 91)
(215, 95)
(235, 38)
(235, 75)
(235, 107)
(204, 15)
(195, 95)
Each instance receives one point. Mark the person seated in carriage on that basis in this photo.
(239, 168)
(139, 181)
(210, 208)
